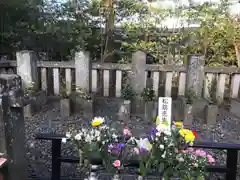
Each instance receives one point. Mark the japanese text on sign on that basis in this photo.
(165, 110)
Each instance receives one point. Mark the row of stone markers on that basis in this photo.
(12, 132)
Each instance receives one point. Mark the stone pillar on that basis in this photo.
(11, 98)
(138, 77)
(138, 81)
(83, 70)
(195, 74)
(27, 68)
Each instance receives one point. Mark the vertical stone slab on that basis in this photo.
(12, 113)
(83, 70)
(195, 74)
(138, 81)
(27, 68)
(2, 128)
(138, 78)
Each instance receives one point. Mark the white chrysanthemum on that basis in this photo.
(78, 137)
(114, 135)
(88, 138)
(164, 154)
(64, 140)
(161, 146)
(68, 135)
(97, 133)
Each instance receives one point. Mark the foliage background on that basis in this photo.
(112, 29)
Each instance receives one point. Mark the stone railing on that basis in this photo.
(83, 74)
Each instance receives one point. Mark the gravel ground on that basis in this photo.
(49, 120)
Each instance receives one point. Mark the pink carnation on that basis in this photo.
(190, 149)
(117, 163)
(200, 153)
(211, 160)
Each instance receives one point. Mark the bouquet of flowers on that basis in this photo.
(100, 141)
(165, 150)
(168, 152)
(93, 141)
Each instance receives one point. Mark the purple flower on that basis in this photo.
(153, 131)
(121, 145)
(143, 150)
(115, 148)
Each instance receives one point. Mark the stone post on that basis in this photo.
(11, 98)
(27, 68)
(83, 70)
(195, 74)
(138, 81)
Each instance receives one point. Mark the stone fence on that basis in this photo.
(165, 79)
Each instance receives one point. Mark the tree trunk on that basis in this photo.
(237, 51)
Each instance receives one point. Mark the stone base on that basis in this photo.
(178, 109)
(124, 111)
(36, 104)
(235, 107)
(65, 107)
(39, 101)
(147, 110)
(150, 111)
(78, 105)
(28, 111)
(188, 115)
(211, 112)
(198, 108)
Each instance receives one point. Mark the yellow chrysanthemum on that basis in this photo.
(179, 124)
(188, 135)
(97, 121)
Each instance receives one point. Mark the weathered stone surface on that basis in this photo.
(178, 109)
(35, 103)
(138, 82)
(83, 70)
(39, 100)
(150, 110)
(235, 107)
(124, 111)
(138, 78)
(195, 74)
(198, 107)
(188, 115)
(138, 107)
(65, 107)
(12, 104)
(27, 67)
(28, 112)
(81, 105)
(211, 112)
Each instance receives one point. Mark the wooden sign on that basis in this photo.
(165, 110)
